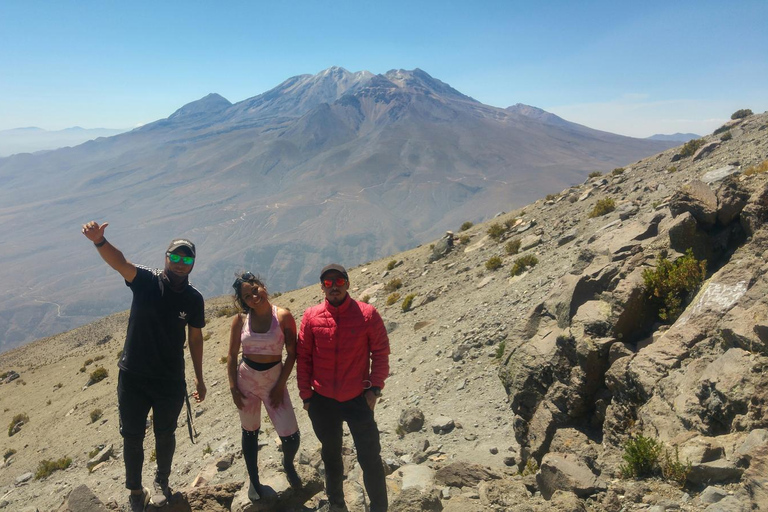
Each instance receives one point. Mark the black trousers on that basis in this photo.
(327, 416)
(135, 397)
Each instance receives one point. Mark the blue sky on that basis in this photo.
(635, 68)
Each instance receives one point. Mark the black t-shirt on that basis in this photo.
(154, 344)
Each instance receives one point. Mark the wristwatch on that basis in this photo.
(375, 390)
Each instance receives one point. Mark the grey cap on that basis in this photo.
(336, 267)
(182, 242)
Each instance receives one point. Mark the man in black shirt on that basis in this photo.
(152, 364)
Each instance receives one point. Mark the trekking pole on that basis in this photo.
(190, 423)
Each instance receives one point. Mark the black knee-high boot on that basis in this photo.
(251, 456)
(290, 448)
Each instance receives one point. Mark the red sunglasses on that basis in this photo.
(339, 281)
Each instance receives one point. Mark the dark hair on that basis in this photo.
(245, 277)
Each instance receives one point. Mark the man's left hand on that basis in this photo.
(371, 398)
(199, 395)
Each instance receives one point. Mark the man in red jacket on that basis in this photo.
(342, 362)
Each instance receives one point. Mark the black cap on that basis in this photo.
(336, 267)
(182, 242)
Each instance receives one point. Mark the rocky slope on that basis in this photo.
(529, 386)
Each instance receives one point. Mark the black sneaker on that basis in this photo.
(138, 502)
(161, 494)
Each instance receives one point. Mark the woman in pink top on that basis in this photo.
(262, 330)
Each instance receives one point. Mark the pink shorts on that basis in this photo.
(255, 386)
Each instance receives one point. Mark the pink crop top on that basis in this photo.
(262, 343)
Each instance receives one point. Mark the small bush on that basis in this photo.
(466, 226)
(8, 453)
(672, 169)
(95, 415)
(513, 246)
(153, 455)
(393, 297)
(523, 263)
(603, 207)
(496, 231)
(17, 419)
(641, 455)
(531, 468)
(757, 169)
(500, 349)
(99, 374)
(226, 311)
(673, 469)
(670, 284)
(87, 362)
(365, 298)
(408, 301)
(4, 375)
(99, 358)
(726, 136)
(207, 449)
(94, 452)
(58, 385)
(741, 113)
(493, 263)
(207, 336)
(46, 467)
(722, 129)
(464, 239)
(551, 197)
(392, 264)
(617, 171)
(690, 147)
(82, 369)
(594, 174)
(394, 284)
(223, 359)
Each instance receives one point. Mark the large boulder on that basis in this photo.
(82, 499)
(566, 473)
(698, 199)
(463, 474)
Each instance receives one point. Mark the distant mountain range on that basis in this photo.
(32, 139)
(335, 166)
(675, 137)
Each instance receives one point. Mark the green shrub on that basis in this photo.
(513, 246)
(153, 455)
(603, 207)
(394, 284)
(500, 349)
(8, 453)
(393, 297)
(464, 239)
(551, 197)
(722, 129)
(207, 336)
(641, 455)
(493, 263)
(95, 415)
(99, 357)
(594, 174)
(46, 467)
(408, 301)
(99, 374)
(523, 263)
(4, 375)
(673, 469)
(496, 231)
(531, 468)
(87, 362)
(669, 284)
(223, 359)
(509, 223)
(207, 449)
(756, 169)
(465, 226)
(392, 264)
(726, 136)
(672, 169)
(617, 171)
(741, 113)
(365, 298)
(690, 147)
(16, 419)
(94, 452)
(82, 369)
(226, 311)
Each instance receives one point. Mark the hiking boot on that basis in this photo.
(138, 502)
(161, 495)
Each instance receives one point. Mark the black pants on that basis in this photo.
(135, 397)
(327, 416)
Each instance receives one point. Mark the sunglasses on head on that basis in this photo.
(339, 281)
(175, 258)
(245, 278)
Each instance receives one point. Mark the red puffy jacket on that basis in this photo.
(341, 351)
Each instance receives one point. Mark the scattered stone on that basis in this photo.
(411, 420)
(442, 425)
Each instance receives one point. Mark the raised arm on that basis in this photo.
(108, 252)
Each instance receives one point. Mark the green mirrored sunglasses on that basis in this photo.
(175, 258)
